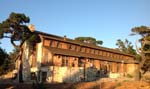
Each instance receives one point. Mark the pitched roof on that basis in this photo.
(55, 37)
(85, 55)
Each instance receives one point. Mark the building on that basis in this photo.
(60, 59)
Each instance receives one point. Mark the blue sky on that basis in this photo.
(106, 20)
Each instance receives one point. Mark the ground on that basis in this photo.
(83, 85)
(104, 83)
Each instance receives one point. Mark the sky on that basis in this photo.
(106, 20)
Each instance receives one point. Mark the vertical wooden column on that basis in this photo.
(97, 64)
(114, 67)
(122, 67)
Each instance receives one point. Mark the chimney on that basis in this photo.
(31, 27)
(65, 37)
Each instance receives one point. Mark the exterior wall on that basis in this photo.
(56, 74)
(36, 67)
(133, 70)
(97, 64)
(60, 67)
(63, 74)
(39, 55)
(26, 65)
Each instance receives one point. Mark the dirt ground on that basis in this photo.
(82, 85)
(114, 85)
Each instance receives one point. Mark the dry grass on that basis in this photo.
(84, 85)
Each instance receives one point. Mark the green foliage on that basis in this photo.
(12, 58)
(18, 18)
(126, 47)
(5, 63)
(129, 76)
(144, 32)
(89, 40)
(3, 56)
(14, 27)
(13, 54)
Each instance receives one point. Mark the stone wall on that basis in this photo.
(133, 70)
(71, 74)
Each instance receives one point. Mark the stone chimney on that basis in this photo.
(65, 37)
(31, 27)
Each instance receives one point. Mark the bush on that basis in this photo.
(129, 76)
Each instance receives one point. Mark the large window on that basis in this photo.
(45, 58)
(33, 76)
(64, 45)
(72, 47)
(83, 49)
(92, 51)
(64, 61)
(46, 42)
(91, 63)
(104, 53)
(44, 76)
(54, 43)
(87, 50)
(100, 52)
(81, 62)
(33, 59)
(78, 48)
(118, 67)
(96, 52)
(60, 44)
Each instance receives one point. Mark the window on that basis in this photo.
(68, 46)
(110, 66)
(33, 76)
(45, 58)
(107, 53)
(81, 63)
(87, 50)
(64, 61)
(104, 53)
(78, 48)
(54, 44)
(33, 59)
(92, 51)
(118, 67)
(46, 42)
(59, 45)
(100, 52)
(117, 56)
(73, 62)
(91, 62)
(72, 47)
(64, 45)
(83, 49)
(96, 52)
(111, 55)
(44, 76)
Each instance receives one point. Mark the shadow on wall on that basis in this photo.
(75, 74)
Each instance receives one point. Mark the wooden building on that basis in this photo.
(60, 59)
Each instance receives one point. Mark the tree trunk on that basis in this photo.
(20, 73)
(21, 67)
(19, 57)
(141, 64)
